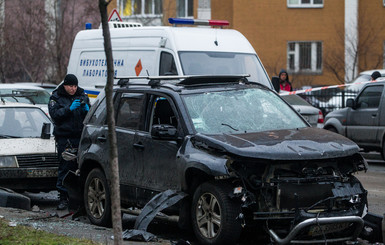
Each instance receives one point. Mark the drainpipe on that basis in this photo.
(351, 39)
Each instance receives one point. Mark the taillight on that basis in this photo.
(320, 117)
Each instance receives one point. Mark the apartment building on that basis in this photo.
(319, 42)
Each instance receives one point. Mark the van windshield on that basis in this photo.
(223, 63)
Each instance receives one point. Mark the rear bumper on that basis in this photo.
(306, 224)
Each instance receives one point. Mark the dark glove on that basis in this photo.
(75, 104)
(86, 107)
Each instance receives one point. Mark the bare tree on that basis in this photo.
(2, 46)
(36, 37)
(365, 56)
(62, 25)
(114, 175)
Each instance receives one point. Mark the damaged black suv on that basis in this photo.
(242, 155)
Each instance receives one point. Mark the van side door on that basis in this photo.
(363, 121)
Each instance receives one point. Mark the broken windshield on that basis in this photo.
(240, 111)
(223, 63)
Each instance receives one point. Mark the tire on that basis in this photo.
(217, 214)
(97, 200)
(331, 129)
(383, 150)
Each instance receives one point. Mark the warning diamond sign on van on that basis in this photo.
(138, 67)
(114, 16)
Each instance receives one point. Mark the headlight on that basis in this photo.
(8, 162)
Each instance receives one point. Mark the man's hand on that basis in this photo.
(75, 104)
(86, 107)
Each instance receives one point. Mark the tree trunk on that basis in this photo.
(114, 175)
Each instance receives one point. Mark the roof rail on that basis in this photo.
(186, 80)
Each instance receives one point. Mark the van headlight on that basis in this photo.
(8, 162)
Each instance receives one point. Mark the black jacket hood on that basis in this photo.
(295, 144)
(287, 74)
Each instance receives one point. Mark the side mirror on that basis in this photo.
(163, 132)
(350, 103)
(275, 82)
(46, 131)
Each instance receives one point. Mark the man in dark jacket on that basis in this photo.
(284, 82)
(68, 107)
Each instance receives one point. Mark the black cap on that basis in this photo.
(70, 79)
(375, 75)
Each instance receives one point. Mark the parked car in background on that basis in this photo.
(28, 158)
(242, 155)
(47, 86)
(311, 114)
(363, 120)
(25, 94)
(356, 85)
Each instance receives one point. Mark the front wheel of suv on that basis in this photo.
(215, 215)
(97, 198)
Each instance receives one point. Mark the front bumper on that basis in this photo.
(29, 179)
(321, 223)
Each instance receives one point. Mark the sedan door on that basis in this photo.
(363, 120)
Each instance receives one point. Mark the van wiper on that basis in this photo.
(225, 124)
(4, 136)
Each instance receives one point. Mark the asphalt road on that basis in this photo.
(167, 232)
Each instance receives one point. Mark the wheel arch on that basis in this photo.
(336, 124)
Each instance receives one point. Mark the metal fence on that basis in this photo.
(329, 99)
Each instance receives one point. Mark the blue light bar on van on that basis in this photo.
(180, 21)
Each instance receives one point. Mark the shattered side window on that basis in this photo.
(240, 111)
(129, 112)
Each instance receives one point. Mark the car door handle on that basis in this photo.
(102, 139)
(374, 115)
(139, 145)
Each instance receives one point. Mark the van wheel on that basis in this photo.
(383, 150)
(97, 198)
(331, 129)
(214, 214)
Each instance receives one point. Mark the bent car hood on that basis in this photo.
(21, 146)
(294, 144)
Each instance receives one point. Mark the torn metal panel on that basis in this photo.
(155, 205)
(151, 209)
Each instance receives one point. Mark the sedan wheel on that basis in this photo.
(214, 214)
(97, 198)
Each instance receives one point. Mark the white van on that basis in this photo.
(161, 50)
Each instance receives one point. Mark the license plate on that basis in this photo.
(325, 229)
(41, 173)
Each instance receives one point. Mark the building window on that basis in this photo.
(304, 57)
(305, 3)
(383, 2)
(141, 7)
(185, 8)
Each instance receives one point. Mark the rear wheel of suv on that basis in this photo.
(214, 214)
(97, 198)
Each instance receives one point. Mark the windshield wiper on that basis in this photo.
(225, 124)
(4, 136)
